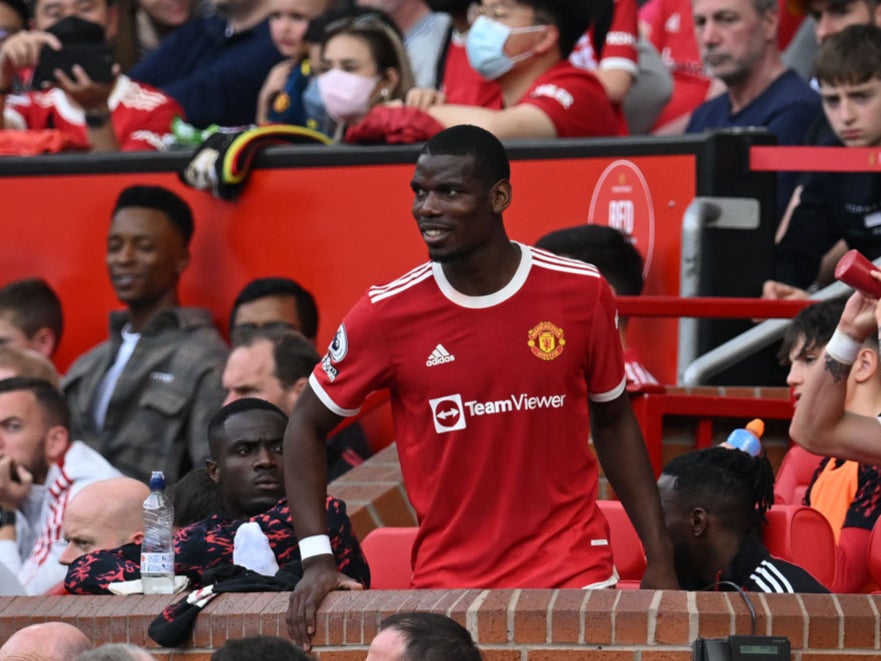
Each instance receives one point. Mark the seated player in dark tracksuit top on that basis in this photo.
(714, 502)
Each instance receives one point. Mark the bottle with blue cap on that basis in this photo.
(748, 438)
(157, 549)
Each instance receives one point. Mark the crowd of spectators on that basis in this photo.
(520, 68)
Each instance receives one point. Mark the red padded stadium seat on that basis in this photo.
(627, 551)
(802, 536)
(388, 552)
(794, 475)
(875, 553)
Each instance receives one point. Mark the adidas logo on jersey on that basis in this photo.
(439, 356)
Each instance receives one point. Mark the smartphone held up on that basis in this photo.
(82, 43)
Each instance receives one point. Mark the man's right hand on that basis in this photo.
(22, 51)
(320, 576)
(15, 483)
(774, 290)
(858, 317)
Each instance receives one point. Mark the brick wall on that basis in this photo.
(509, 625)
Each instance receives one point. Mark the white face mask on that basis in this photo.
(485, 46)
(346, 96)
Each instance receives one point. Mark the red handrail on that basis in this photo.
(815, 159)
(718, 307)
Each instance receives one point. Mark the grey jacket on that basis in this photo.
(159, 411)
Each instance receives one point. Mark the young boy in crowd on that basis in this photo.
(838, 205)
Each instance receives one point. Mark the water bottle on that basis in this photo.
(747, 439)
(157, 549)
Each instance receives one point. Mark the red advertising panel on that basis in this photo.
(335, 229)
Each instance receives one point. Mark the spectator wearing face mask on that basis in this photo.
(524, 46)
(362, 64)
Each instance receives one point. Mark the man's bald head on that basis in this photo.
(48, 641)
(104, 515)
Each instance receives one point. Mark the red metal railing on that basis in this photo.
(718, 307)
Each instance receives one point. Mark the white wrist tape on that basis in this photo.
(842, 348)
(315, 545)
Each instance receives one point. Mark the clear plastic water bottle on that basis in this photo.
(157, 549)
(748, 439)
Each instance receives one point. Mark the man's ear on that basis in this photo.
(213, 470)
(550, 38)
(501, 196)
(44, 342)
(183, 261)
(698, 520)
(292, 394)
(57, 442)
(865, 366)
(136, 538)
(300, 385)
(770, 24)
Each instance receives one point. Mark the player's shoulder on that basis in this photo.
(548, 261)
(403, 284)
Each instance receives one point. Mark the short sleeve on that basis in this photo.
(153, 132)
(356, 363)
(619, 51)
(605, 369)
(576, 102)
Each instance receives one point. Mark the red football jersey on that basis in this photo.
(576, 102)
(141, 115)
(490, 400)
(672, 33)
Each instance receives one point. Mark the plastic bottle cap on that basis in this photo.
(157, 480)
(756, 426)
(745, 440)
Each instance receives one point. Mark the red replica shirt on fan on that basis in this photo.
(490, 402)
(619, 51)
(576, 102)
(141, 115)
(672, 33)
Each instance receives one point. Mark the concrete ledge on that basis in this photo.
(509, 625)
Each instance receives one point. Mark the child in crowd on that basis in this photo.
(837, 205)
(279, 100)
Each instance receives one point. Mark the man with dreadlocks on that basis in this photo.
(714, 502)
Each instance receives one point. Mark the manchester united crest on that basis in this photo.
(546, 340)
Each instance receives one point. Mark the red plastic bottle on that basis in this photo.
(854, 269)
